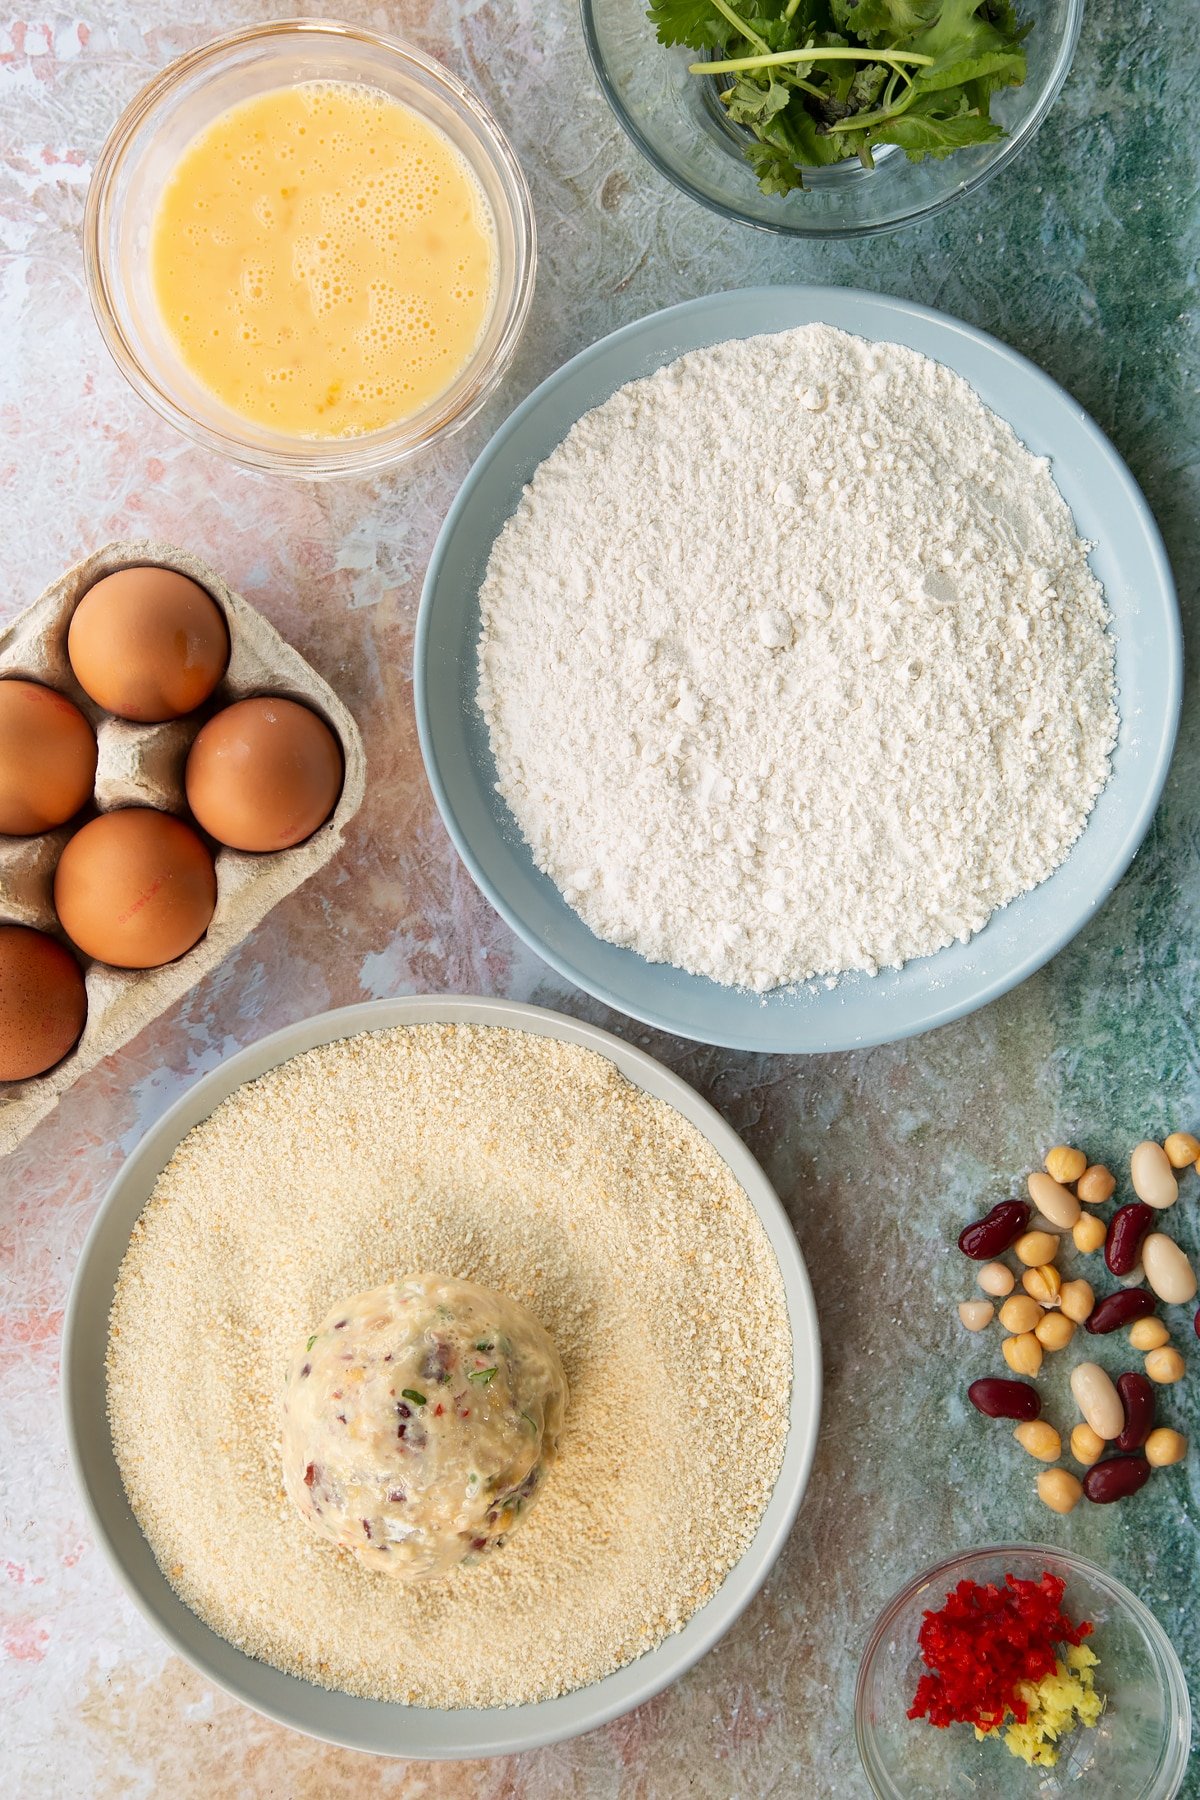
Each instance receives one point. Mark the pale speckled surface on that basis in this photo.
(1083, 256)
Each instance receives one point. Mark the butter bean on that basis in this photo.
(1053, 1200)
(1152, 1176)
(1168, 1270)
(1037, 1247)
(1098, 1400)
(997, 1279)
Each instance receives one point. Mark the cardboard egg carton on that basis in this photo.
(142, 765)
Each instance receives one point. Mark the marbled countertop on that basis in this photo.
(1083, 256)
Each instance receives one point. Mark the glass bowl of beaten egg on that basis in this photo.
(310, 248)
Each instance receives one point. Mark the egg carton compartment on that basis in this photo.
(142, 765)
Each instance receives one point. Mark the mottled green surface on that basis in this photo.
(1083, 256)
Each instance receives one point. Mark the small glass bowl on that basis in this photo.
(677, 122)
(143, 149)
(1137, 1751)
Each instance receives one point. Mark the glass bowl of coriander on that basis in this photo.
(830, 118)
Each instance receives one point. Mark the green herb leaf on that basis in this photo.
(481, 1376)
(530, 1421)
(312, 1340)
(748, 103)
(412, 1394)
(811, 82)
(923, 134)
(696, 23)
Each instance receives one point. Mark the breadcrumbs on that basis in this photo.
(502, 1157)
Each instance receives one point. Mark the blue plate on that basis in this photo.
(1128, 559)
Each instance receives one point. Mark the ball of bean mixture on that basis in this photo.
(419, 1423)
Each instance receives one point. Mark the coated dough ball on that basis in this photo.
(419, 1423)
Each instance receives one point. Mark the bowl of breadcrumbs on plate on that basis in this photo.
(500, 1145)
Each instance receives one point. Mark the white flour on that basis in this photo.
(793, 663)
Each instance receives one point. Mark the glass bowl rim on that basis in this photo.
(1009, 147)
(1174, 1683)
(315, 458)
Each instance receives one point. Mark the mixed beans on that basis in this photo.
(1118, 1443)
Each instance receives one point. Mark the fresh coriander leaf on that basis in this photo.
(921, 134)
(885, 21)
(749, 104)
(482, 1376)
(1001, 67)
(312, 1340)
(696, 23)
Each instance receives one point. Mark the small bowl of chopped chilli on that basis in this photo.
(830, 120)
(1020, 1669)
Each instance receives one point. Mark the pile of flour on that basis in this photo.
(792, 662)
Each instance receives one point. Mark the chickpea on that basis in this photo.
(1037, 1247)
(1059, 1490)
(997, 1279)
(1164, 1365)
(1077, 1300)
(1055, 1331)
(1040, 1439)
(1182, 1148)
(1019, 1314)
(1096, 1185)
(1064, 1164)
(1148, 1334)
(1087, 1446)
(1089, 1233)
(1043, 1284)
(1023, 1353)
(976, 1315)
(1164, 1447)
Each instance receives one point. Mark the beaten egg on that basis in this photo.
(47, 758)
(135, 888)
(148, 644)
(43, 1002)
(263, 774)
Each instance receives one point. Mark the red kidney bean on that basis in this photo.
(1000, 1399)
(1002, 1226)
(1115, 1478)
(1126, 1229)
(1120, 1309)
(1137, 1397)
(1196, 1322)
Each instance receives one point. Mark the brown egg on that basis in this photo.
(263, 774)
(47, 758)
(135, 888)
(43, 1002)
(148, 644)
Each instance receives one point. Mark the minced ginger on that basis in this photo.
(1055, 1703)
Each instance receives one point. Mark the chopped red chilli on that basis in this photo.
(982, 1642)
